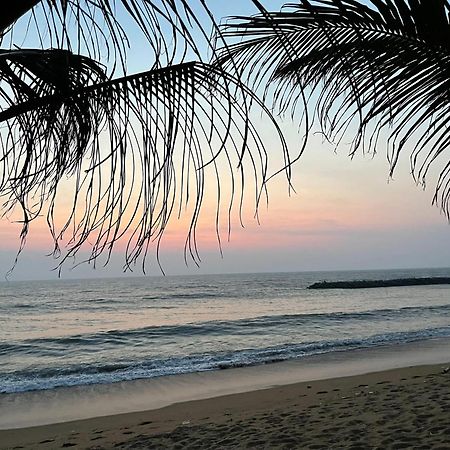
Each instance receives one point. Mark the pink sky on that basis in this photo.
(343, 211)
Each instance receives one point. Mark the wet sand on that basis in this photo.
(399, 408)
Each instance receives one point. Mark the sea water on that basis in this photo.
(71, 333)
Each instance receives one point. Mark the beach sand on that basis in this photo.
(399, 408)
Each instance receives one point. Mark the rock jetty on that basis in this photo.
(364, 284)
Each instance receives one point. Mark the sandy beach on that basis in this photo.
(399, 408)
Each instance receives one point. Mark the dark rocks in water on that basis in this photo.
(363, 284)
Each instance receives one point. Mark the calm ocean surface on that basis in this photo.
(65, 333)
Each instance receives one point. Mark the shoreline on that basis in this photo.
(408, 406)
(67, 404)
(400, 393)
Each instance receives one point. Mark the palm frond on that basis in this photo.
(100, 29)
(376, 68)
(137, 148)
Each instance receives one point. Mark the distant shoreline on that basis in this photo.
(364, 284)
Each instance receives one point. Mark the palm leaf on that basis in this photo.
(381, 68)
(160, 124)
(137, 147)
(100, 29)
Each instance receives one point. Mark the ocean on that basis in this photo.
(80, 332)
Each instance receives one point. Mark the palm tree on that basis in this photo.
(136, 147)
(379, 69)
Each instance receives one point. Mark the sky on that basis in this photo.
(345, 214)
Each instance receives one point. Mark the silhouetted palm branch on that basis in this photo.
(379, 68)
(136, 146)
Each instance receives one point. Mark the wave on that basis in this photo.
(23, 305)
(12, 306)
(76, 375)
(189, 295)
(241, 327)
